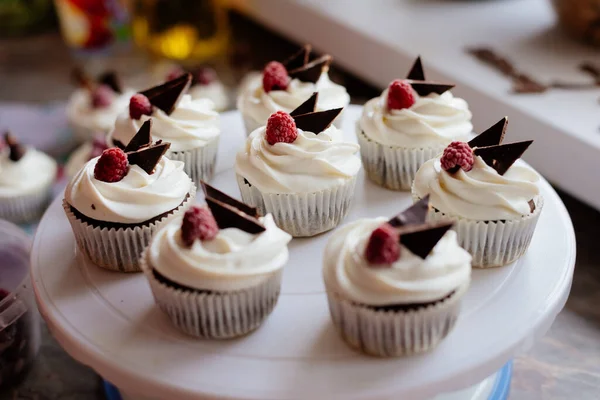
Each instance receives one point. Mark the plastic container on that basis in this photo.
(19, 318)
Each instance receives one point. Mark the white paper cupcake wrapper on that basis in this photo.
(118, 249)
(302, 214)
(390, 166)
(199, 163)
(394, 333)
(222, 315)
(251, 125)
(492, 243)
(25, 208)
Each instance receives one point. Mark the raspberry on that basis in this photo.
(102, 97)
(400, 95)
(198, 223)
(175, 73)
(205, 76)
(139, 105)
(383, 246)
(457, 155)
(112, 166)
(281, 128)
(275, 77)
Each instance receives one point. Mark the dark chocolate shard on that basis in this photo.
(531, 205)
(312, 71)
(167, 95)
(16, 149)
(421, 239)
(502, 157)
(142, 138)
(425, 88)
(119, 144)
(415, 214)
(317, 122)
(216, 194)
(228, 216)
(492, 136)
(416, 72)
(298, 59)
(308, 106)
(148, 157)
(110, 79)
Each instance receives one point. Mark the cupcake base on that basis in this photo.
(25, 208)
(199, 163)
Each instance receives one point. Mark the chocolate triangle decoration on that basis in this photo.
(147, 157)
(216, 194)
(493, 136)
(425, 88)
(308, 106)
(111, 80)
(317, 122)
(502, 157)
(415, 214)
(228, 216)
(298, 59)
(141, 139)
(416, 72)
(312, 71)
(119, 144)
(16, 149)
(167, 95)
(421, 239)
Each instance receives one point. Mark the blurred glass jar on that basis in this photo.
(580, 19)
(181, 30)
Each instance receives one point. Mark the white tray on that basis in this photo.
(109, 321)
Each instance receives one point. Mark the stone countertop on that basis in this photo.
(565, 364)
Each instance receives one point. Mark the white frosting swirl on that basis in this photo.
(480, 194)
(409, 280)
(33, 172)
(214, 91)
(234, 260)
(434, 120)
(192, 124)
(78, 159)
(255, 103)
(101, 119)
(138, 197)
(309, 164)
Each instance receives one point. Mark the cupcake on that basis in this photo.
(191, 126)
(299, 169)
(26, 179)
(205, 85)
(394, 286)
(492, 197)
(216, 271)
(95, 105)
(411, 122)
(284, 86)
(118, 200)
(85, 153)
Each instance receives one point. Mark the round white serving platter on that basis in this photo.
(109, 320)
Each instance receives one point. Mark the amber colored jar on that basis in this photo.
(580, 19)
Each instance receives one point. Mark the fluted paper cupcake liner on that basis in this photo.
(393, 167)
(492, 243)
(118, 249)
(251, 125)
(199, 163)
(25, 208)
(211, 315)
(302, 214)
(394, 333)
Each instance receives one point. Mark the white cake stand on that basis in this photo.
(110, 322)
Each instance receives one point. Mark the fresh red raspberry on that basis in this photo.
(457, 155)
(281, 128)
(275, 77)
(175, 73)
(205, 75)
(102, 96)
(198, 223)
(112, 166)
(400, 95)
(139, 105)
(383, 246)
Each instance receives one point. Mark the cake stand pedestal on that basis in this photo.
(109, 320)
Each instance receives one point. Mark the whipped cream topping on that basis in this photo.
(33, 172)
(434, 120)
(192, 124)
(309, 164)
(138, 197)
(233, 260)
(481, 193)
(214, 91)
(102, 119)
(255, 103)
(409, 280)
